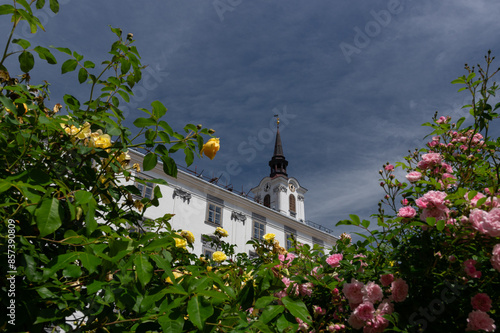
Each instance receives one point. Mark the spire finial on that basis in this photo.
(278, 120)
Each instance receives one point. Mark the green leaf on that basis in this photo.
(270, 312)
(355, 219)
(48, 216)
(45, 54)
(82, 75)
(169, 325)
(144, 122)
(440, 225)
(8, 104)
(90, 262)
(22, 42)
(26, 61)
(246, 296)
(169, 166)
(6, 9)
(88, 64)
(69, 66)
(365, 223)
(297, 308)
(64, 50)
(189, 156)
(199, 311)
(460, 80)
(82, 197)
(124, 95)
(144, 269)
(159, 109)
(59, 263)
(431, 221)
(54, 6)
(150, 161)
(40, 4)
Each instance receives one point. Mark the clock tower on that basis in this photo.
(278, 191)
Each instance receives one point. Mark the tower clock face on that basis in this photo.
(267, 187)
(291, 187)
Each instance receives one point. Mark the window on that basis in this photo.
(207, 253)
(292, 203)
(290, 236)
(214, 214)
(146, 190)
(259, 230)
(267, 201)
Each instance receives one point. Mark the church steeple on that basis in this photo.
(278, 163)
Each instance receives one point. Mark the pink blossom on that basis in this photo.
(334, 260)
(399, 290)
(404, 202)
(356, 322)
(413, 176)
(386, 279)
(386, 307)
(376, 325)
(389, 167)
(477, 218)
(302, 326)
(492, 223)
(436, 213)
(318, 310)
(481, 302)
(407, 212)
(372, 292)
(447, 167)
(306, 289)
(432, 199)
(479, 320)
(442, 120)
(430, 160)
(495, 257)
(364, 311)
(352, 291)
(470, 269)
(475, 199)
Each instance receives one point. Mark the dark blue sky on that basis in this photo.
(352, 81)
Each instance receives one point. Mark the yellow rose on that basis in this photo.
(99, 140)
(124, 158)
(180, 242)
(269, 237)
(219, 256)
(84, 132)
(188, 235)
(176, 276)
(221, 232)
(71, 130)
(210, 148)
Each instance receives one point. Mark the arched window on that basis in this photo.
(267, 201)
(292, 203)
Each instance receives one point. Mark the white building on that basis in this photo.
(200, 206)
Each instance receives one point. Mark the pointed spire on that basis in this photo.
(278, 163)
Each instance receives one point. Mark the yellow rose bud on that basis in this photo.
(180, 242)
(176, 276)
(210, 148)
(188, 235)
(221, 232)
(269, 237)
(219, 256)
(101, 141)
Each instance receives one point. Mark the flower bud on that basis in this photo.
(199, 126)
(211, 131)
(130, 36)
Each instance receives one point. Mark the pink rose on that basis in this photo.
(372, 292)
(481, 302)
(352, 291)
(430, 160)
(413, 176)
(334, 260)
(386, 279)
(432, 199)
(495, 257)
(479, 320)
(386, 307)
(407, 212)
(364, 311)
(356, 322)
(475, 199)
(305, 289)
(492, 224)
(389, 167)
(442, 120)
(470, 269)
(399, 290)
(376, 325)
